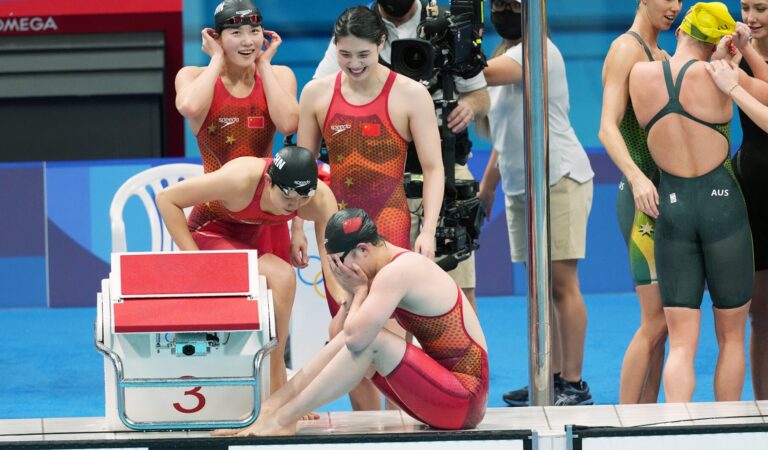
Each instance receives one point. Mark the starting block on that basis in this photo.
(185, 337)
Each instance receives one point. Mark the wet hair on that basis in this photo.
(349, 227)
(360, 22)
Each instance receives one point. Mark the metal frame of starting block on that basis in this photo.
(185, 338)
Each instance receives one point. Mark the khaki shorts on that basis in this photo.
(570, 203)
(464, 273)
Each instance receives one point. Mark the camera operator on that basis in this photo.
(570, 194)
(402, 18)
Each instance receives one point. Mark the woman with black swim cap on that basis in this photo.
(443, 384)
(233, 206)
(235, 104)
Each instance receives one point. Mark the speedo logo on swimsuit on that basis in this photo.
(301, 183)
(227, 121)
(340, 128)
(719, 193)
(672, 198)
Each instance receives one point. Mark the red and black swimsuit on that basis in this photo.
(445, 383)
(214, 227)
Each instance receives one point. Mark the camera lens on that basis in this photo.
(188, 350)
(415, 58)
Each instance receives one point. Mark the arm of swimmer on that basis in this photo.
(740, 40)
(727, 77)
(756, 111)
(194, 87)
(279, 86)
(280, 90)
(756, 88)
(372, 308)
(309, 131)
(503, 70)
(319, 210)
(755, 62)
(426, 137)
(221, 184)
(299, 257)
(616, 73)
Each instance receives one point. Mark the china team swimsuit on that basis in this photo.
(445, 383)
(214, 227)
(367, 158)
(236, 127)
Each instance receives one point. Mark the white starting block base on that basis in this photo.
(732, 425)
(185, 338)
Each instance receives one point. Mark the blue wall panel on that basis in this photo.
(68, 191)
(23, 282)
(22, 196)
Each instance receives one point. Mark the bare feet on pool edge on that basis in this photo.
(264, 426)
(311, 416)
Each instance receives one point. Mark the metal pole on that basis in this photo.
(537, 207)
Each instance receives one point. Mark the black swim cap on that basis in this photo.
(235, 13)
(347, 228)
(294, 169)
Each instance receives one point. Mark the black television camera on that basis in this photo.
(449, 45)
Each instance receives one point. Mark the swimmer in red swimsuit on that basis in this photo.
(235, 204)
(235, 104)
(444, 384)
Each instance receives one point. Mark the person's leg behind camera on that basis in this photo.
(570, 204)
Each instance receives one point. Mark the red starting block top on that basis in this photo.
(183, 274)
(190, 314)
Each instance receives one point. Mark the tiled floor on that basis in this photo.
(540, 419)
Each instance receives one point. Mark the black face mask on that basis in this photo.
(508, 24)
(396, 8)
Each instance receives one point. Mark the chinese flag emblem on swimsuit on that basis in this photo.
(255, 121)
(371, 129)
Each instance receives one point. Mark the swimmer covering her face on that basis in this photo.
(444, 384)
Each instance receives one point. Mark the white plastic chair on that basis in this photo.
(146, 185)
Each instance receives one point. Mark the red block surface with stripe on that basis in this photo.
(190, 314)
(184, 274)
(164, 291)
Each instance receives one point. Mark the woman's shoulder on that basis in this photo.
(408, 86)
(320, 84)
(190, 71)
(626, 48)
(643, 69)
(245, 164)
(282, 71)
